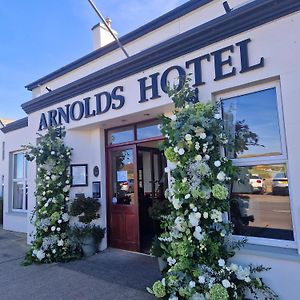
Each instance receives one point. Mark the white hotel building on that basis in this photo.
(248, 57)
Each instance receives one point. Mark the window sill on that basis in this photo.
(17, 213)
(271, 252)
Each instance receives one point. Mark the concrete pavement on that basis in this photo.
(112, 274)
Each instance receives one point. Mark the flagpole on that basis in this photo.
(108, 28)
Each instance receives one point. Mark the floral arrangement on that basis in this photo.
(196, 232)
(50, 216)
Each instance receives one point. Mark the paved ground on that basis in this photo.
(112, 274)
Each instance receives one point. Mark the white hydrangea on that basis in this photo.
(226, 283)
(193, 219)
(221, 176)
(65, 217)
(201, 279)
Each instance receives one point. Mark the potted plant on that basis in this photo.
(86, 233)
(157, 251)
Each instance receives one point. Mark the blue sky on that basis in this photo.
(38, 37)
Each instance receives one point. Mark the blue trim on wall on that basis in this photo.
(133, 35)
(18, 124)
(239, 20)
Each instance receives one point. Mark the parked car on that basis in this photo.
(280, 184)
(257, 183)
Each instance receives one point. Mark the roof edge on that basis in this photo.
(127, 38)
(18, 124)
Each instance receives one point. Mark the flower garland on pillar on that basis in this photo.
(50, 216)
(196, 239)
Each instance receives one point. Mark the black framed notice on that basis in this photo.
(96, 189)
(79, 175)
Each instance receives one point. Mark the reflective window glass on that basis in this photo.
(18, 165)
(252, 123)
(120, 135)
(148, 130)
(260, 204)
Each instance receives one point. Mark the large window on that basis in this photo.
(260, 208)
(19, 182)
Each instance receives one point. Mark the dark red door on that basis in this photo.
(123, 198)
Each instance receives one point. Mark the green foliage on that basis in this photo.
(87, 209)
(195, 238)
(50, 216)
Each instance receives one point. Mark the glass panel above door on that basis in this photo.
(148, 130)
(122, 164)
(121, 135)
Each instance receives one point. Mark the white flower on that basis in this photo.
(65, 217)
(207, 157)
(205, 215)
(171, 261)
(192, 284)
(53, 228)
(176, 149)
(202, 135)
(188, 137)
(248, 279)
(47, 177)
(197, 146)
(218, 116)
(201, 279)
(198, 157)
(226, 283)
(194, 220)
(195, 209)
(40, 254)
(181, 151)
(184, 180)
(221, 262)
(173, 117)
(217, 163)
(242, 273)
(67, 181)
(198, 296)
(53, 251)
(60, 243)
(187, 196)
(221, 176)
(233, 267)
(180, 224)
(66, 188)
(46, 204)
(197, 233)
(176, 203)
(173, 297)
(58, 229)
(52, 152)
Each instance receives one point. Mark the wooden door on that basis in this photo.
(123, 198)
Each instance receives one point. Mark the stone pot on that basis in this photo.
(88, 246)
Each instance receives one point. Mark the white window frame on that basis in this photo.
(19, 180)
(265, 160)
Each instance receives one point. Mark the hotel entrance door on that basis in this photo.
(123, 199)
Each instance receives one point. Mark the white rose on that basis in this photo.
(226, 283)
(58, 229)
(181, 151)
(59, 221)
(52, 152)
(188, 137)
(198, 157)
(192, 284)
(40, 255)
(221, 262)
(176, 149)
(53, 251)
(173, 118)
(202, 135)
(66, 188)
(173, 297)
(221, 176)
(187, 196)
(53, 228)
(217, 163)
(205, 215)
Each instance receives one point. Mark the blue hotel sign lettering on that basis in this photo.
(149, 86)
